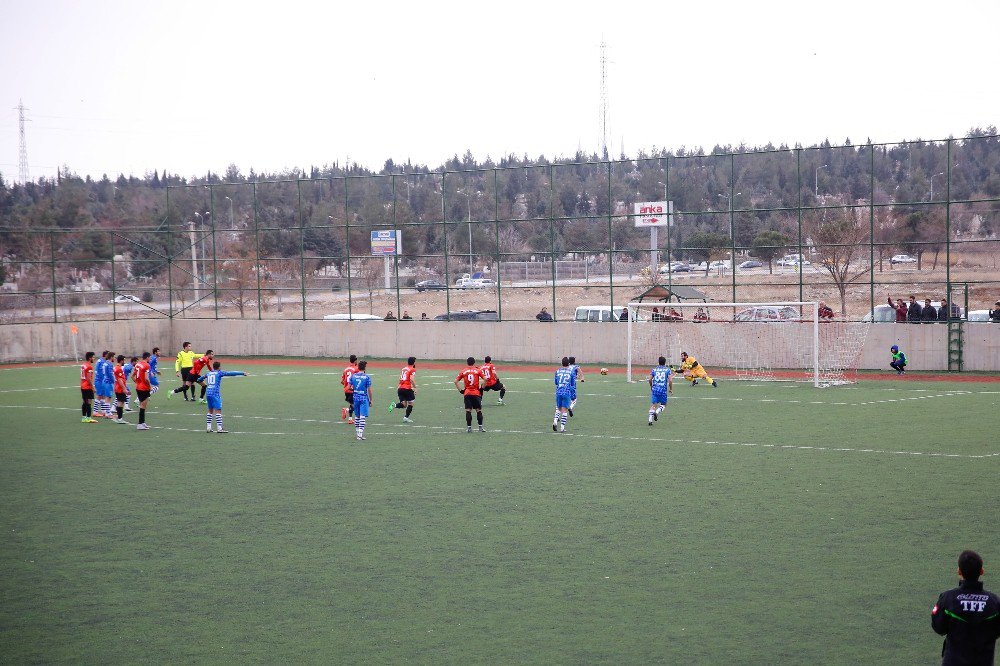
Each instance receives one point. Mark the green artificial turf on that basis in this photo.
(753, 524)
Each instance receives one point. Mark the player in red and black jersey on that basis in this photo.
(199, 364)
(490, 380)
(141, 377)
(407, 391)
(347, 413)
(469, 383)
(87, 388)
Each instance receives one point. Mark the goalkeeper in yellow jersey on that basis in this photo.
(693, 371)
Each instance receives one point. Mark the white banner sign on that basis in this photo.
(654, 214)
(387, 243)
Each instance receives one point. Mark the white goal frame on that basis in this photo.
(806, 354)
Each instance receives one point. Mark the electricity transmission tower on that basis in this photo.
(22, 159)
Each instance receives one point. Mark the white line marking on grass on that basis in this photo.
(40, 388)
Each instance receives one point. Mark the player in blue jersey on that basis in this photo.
(564, 394)
(577, 376)
(361, 386)
(104, 374)
(154, 373)
(660, 384)
(213, 384)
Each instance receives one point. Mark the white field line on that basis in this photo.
(450, 430)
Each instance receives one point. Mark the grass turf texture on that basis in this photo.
(700, 540)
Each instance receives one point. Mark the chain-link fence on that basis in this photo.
(853, 226)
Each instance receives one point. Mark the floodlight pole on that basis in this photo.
(194, 258)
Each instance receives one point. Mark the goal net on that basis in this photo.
(749, 341)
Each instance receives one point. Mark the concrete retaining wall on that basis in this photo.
(925, 345)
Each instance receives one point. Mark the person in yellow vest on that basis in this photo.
(182, 368)
(693, 371)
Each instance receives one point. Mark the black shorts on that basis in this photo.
(186, 375)
(142, 395)
(498, 386)
(406, 395)
(473, 402)
(349, 397)
(88, 394)
(121, 397)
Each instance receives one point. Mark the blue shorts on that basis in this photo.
(214, 401)
(361, 408)
(658, 398)
(563, 400)
(105, 388)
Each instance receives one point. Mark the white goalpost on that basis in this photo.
(782, 341)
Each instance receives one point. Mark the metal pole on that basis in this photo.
(347, 239)
(215, 258)
(798, 181)
(732, 222)
(194, 259)
(552, 240)
(611, 247)
(395, 253)
(52, 270)
(871, 231)
(170, 261)
(256, 249)
(947, 236)
(114, 282)
(444, 227)
(302, 248)
(496, 224)
(666, 197)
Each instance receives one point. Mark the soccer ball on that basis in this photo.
(604, 371)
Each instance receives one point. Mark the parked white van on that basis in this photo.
(598, 313)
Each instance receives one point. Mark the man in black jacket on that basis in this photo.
(928, 312)
(913, 311)
(968, 617)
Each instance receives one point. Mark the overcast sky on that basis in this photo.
(133, 86)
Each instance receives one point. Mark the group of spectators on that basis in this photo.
(389, 316)
(915, 313)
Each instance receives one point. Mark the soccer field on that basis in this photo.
(753, 523)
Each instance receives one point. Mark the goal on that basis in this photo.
(783, 341)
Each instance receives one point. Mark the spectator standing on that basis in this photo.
(406, 316)
(389, 316)
(900, 307)
(944, 310)
(825, 312)
(995, 313)
(968, 616)
(423, 316)
(543, 315)
(913, 311)
(928, 312)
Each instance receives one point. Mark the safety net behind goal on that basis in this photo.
(749, 341)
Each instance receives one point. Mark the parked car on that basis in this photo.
(752, 263)
(598, 313)
(125, 298)
(882, 313)
(467, 282)
(431, 285)
(468, 315)
(902, 259)
(716, 265)
(769, 313)
(675, 267)
(791, 261)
